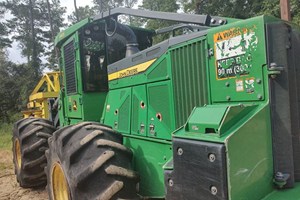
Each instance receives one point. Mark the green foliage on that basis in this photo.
(272, 7)
(98, 7)
(82, 12)
(4, 40)
(228, 8)
(104, 5)
(5, 136)
(241, 9)
(16, 84)
(157, 5)
(32, 31)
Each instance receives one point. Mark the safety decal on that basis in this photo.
(239, 85)
(233, 51)
(249, 85)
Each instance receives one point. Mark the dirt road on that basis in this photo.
(9, 188)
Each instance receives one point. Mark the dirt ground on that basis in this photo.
(9, 188)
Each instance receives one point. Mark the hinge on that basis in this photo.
(274, 70)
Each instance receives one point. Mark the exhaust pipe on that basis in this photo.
(112, 27)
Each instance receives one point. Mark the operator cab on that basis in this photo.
(101, 47)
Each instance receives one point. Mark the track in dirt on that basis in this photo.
(9, 188)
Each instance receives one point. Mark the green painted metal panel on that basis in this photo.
(158, 71)
(150, 155)
(289, 194)
(74, 106)
(93, 105)
(212, 122)
(160, 110)
(118, 110)
(250, 159)
(139, 110)
(237, 56)
(249, 147)
(66, 34)
(189, 78)
(202, 120)
(73, 101)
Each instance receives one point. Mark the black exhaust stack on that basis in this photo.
(112, 27)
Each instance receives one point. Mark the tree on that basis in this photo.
(55, 17)
(31, 28)
(16, 85)
(239, 8)
(104, 5)
(272, 7)
(82, 13)
(227, 8)
(4, 40)
(157, 5)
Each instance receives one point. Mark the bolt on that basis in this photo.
(179, 151)
(273, 65)
(227, 84)
(228, 98)
(213, 190)
(259, 96)
(221, 21)
(213, 21)
(273, 76)
(279, 175)
(211, 157)
(171, 182)
(210, 52)
(258, 81)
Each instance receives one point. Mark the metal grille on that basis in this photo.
(189, 79)
(69, 57)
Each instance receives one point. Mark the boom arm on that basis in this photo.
(203, 20)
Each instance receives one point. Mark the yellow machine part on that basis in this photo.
(47, 87)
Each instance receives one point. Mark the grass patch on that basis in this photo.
(5, 136)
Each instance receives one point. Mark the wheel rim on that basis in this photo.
(18, 153)
(59, 184)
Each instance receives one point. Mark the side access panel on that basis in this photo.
(73, 99)
(160, 110)
(118, 110)
(139, 111)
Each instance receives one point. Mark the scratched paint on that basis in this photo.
(234, 54)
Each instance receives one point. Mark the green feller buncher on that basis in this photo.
(211, 113)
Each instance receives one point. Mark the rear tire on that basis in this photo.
(88, 161)
(30, 137)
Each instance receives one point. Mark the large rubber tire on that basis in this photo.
(30, 136)
(88, 161)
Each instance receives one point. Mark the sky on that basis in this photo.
(14, 52)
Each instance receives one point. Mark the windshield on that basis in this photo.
(93, 59)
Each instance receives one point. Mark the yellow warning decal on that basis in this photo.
(230, 33)
(131, 70)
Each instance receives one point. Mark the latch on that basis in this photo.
(142, 128)
(280, 179)
(275, 70)
(152, 129)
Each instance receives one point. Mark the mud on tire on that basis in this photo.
(29, 140)
(94, 162)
